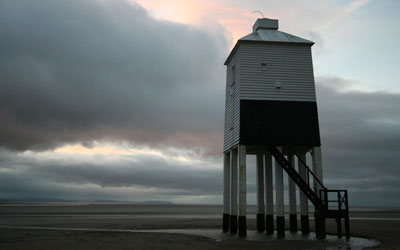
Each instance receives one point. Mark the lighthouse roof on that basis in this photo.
(265, 30)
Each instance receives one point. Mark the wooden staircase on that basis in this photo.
(328, 203)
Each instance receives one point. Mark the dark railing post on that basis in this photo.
(346, 218)
(339, 226)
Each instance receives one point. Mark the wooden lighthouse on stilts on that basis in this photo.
(271, 112)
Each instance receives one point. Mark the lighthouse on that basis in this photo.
(271, 112)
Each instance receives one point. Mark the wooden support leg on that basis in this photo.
(347, 227)
(320, 231)
(305, 227)
(339, 227)
(226, 212)
(260, 194)
(269, 195)
(242, 191)
(279, 200)
(233, 217)
(292, 200)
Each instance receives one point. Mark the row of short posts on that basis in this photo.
(234, 217)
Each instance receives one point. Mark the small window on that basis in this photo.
(263, 66)
(233, 74)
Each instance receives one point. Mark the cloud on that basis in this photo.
(361, 139)
(78, 71)
(135, 177)
(356, 4)
(83, 72)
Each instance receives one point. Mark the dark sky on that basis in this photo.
(107, 73)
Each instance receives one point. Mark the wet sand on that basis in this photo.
(17, 231)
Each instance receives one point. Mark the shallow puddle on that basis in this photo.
(354, 243)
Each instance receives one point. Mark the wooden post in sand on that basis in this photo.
(305, 227)
(234, 188)
(320, 228)
(280, 213)
(269, 195)
(260, 193)
(225, 218)
(292, 200)
(242, 190)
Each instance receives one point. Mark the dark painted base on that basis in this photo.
(225, 223)
(320, 231)
(280, 226)
(233, 224)
(260, 222)
(293, 223)
(242, 226)
(256, 127)
(305, 226)
(269, 224)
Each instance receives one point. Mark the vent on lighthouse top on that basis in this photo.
(266, 30)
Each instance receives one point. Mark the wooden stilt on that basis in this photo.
(260, 194)
(305, 227)
(280, 213)
(242, 191)
(347, 227)
(226, 213)
(339, 227)
(269, 195)
(292, 200)
(233, 217)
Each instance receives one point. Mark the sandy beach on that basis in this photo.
(83, 227)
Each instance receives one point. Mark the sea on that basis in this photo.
(129, 210)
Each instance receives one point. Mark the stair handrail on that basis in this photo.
(272, 149)
(321, 200)
(307, 168)
(308, 171)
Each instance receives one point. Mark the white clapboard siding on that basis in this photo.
(232, 105)
(291, 65)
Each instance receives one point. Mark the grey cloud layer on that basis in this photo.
(76, 71)
(361, 141)
(41, 177)
(79, 71)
